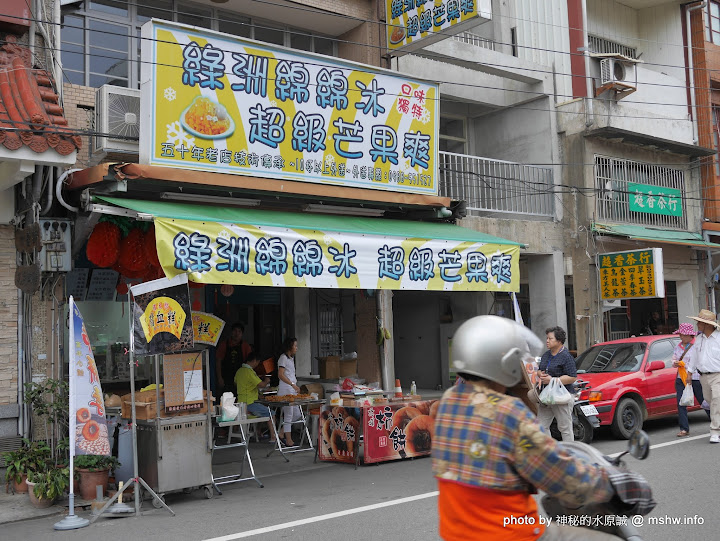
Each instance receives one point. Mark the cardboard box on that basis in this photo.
(333, 368)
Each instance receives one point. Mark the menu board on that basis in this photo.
(183, 381)
(102, 285)
(76, 284)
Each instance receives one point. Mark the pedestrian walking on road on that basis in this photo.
(557, 362)
(682, 358)
(707, 362)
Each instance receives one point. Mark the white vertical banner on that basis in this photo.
(516, 308)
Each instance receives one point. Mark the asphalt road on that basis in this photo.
(394, 501)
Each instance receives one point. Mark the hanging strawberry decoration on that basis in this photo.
(150, 249)
(103, 245)
(132, 255)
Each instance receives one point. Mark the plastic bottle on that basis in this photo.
(413, 389)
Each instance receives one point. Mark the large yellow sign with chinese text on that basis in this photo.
(634, 274)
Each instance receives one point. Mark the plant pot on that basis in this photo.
(20, 487)
(89, 480)
(38, 503)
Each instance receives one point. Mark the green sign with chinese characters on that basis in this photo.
(654, 199)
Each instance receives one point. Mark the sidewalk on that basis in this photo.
(17, 507)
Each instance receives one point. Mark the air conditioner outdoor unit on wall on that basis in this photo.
(117, 121)
(617, 73)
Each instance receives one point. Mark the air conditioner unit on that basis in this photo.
(615, 72)
(117, 121)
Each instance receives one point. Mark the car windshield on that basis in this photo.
(623, 357)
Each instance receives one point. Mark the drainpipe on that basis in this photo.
(589, 104)
(691, 69)
(51, 172)
(31, 32)
(709, 282)
(57, 65)
(23, 428)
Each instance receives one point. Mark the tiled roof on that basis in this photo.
(29, 110)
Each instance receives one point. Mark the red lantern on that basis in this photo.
(227, 290)
(103, 245)
(150, 249)
(132, 255)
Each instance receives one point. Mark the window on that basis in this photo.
(100, 39)
(613, 177)
(623, 357)
(453, 137)
(712, 21)
(662, 351)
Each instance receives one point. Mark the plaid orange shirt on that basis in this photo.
(490, 442)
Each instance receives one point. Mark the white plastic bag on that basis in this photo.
(229, 409)
(555, 393)
(687, 398)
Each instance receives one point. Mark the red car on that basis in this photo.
(631, 380)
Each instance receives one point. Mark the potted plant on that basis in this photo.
(46, 486)
(94, 470)
(32, 456)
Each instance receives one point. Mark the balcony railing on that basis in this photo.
(496, 186)
(472, 39)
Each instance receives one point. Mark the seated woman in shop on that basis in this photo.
(248, 383)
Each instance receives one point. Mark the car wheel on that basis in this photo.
(628, 419)
(583, 430)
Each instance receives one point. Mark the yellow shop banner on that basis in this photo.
(207, 328)
(244, 254)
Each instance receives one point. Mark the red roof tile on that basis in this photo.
(29, 110)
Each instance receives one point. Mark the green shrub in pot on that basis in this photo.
(96, 462)
(50, 483)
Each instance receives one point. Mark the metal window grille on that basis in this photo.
(496, 186)
(612, 177)
(477, 41)
(605, 46)
(330, 316)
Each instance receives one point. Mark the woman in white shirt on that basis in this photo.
(288, 385)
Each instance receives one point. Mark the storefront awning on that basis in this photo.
(222, 245)
(654, 234)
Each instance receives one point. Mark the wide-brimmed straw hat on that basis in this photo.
(685, 329)
(706, 316)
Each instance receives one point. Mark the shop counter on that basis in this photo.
(387, 431)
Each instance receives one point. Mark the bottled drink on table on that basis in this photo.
(413, 389)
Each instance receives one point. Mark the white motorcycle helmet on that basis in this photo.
(493, 348)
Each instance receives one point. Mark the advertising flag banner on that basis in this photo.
(162, 316)
(635, 274)
(244, 254)
(88, 426)
(207, 328)
(220, 103)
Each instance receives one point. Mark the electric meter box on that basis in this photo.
(56, 236)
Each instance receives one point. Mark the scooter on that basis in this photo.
(584, 417)
(639, 447)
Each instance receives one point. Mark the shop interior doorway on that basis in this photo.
(640, 317)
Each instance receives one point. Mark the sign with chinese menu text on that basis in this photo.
(412, 24)
(183, 380)
(633, 274)
(397, 431)
(207, 328)
(220, 103)
(88, 427)
(243, 254)
(161, 312)
(338, 433)
(655, 199)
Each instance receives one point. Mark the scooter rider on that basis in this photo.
(490, 455)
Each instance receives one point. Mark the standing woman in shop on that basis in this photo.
(288, 385)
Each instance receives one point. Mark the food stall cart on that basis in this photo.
(173, 426)
(387, 429)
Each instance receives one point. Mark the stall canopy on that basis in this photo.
(652, 234)
(226, 245)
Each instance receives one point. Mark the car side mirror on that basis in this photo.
(655, 365)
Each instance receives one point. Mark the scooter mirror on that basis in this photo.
(639, 444)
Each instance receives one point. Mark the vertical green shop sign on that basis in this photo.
(654, 199)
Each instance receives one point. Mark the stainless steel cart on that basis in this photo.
(173, 454)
